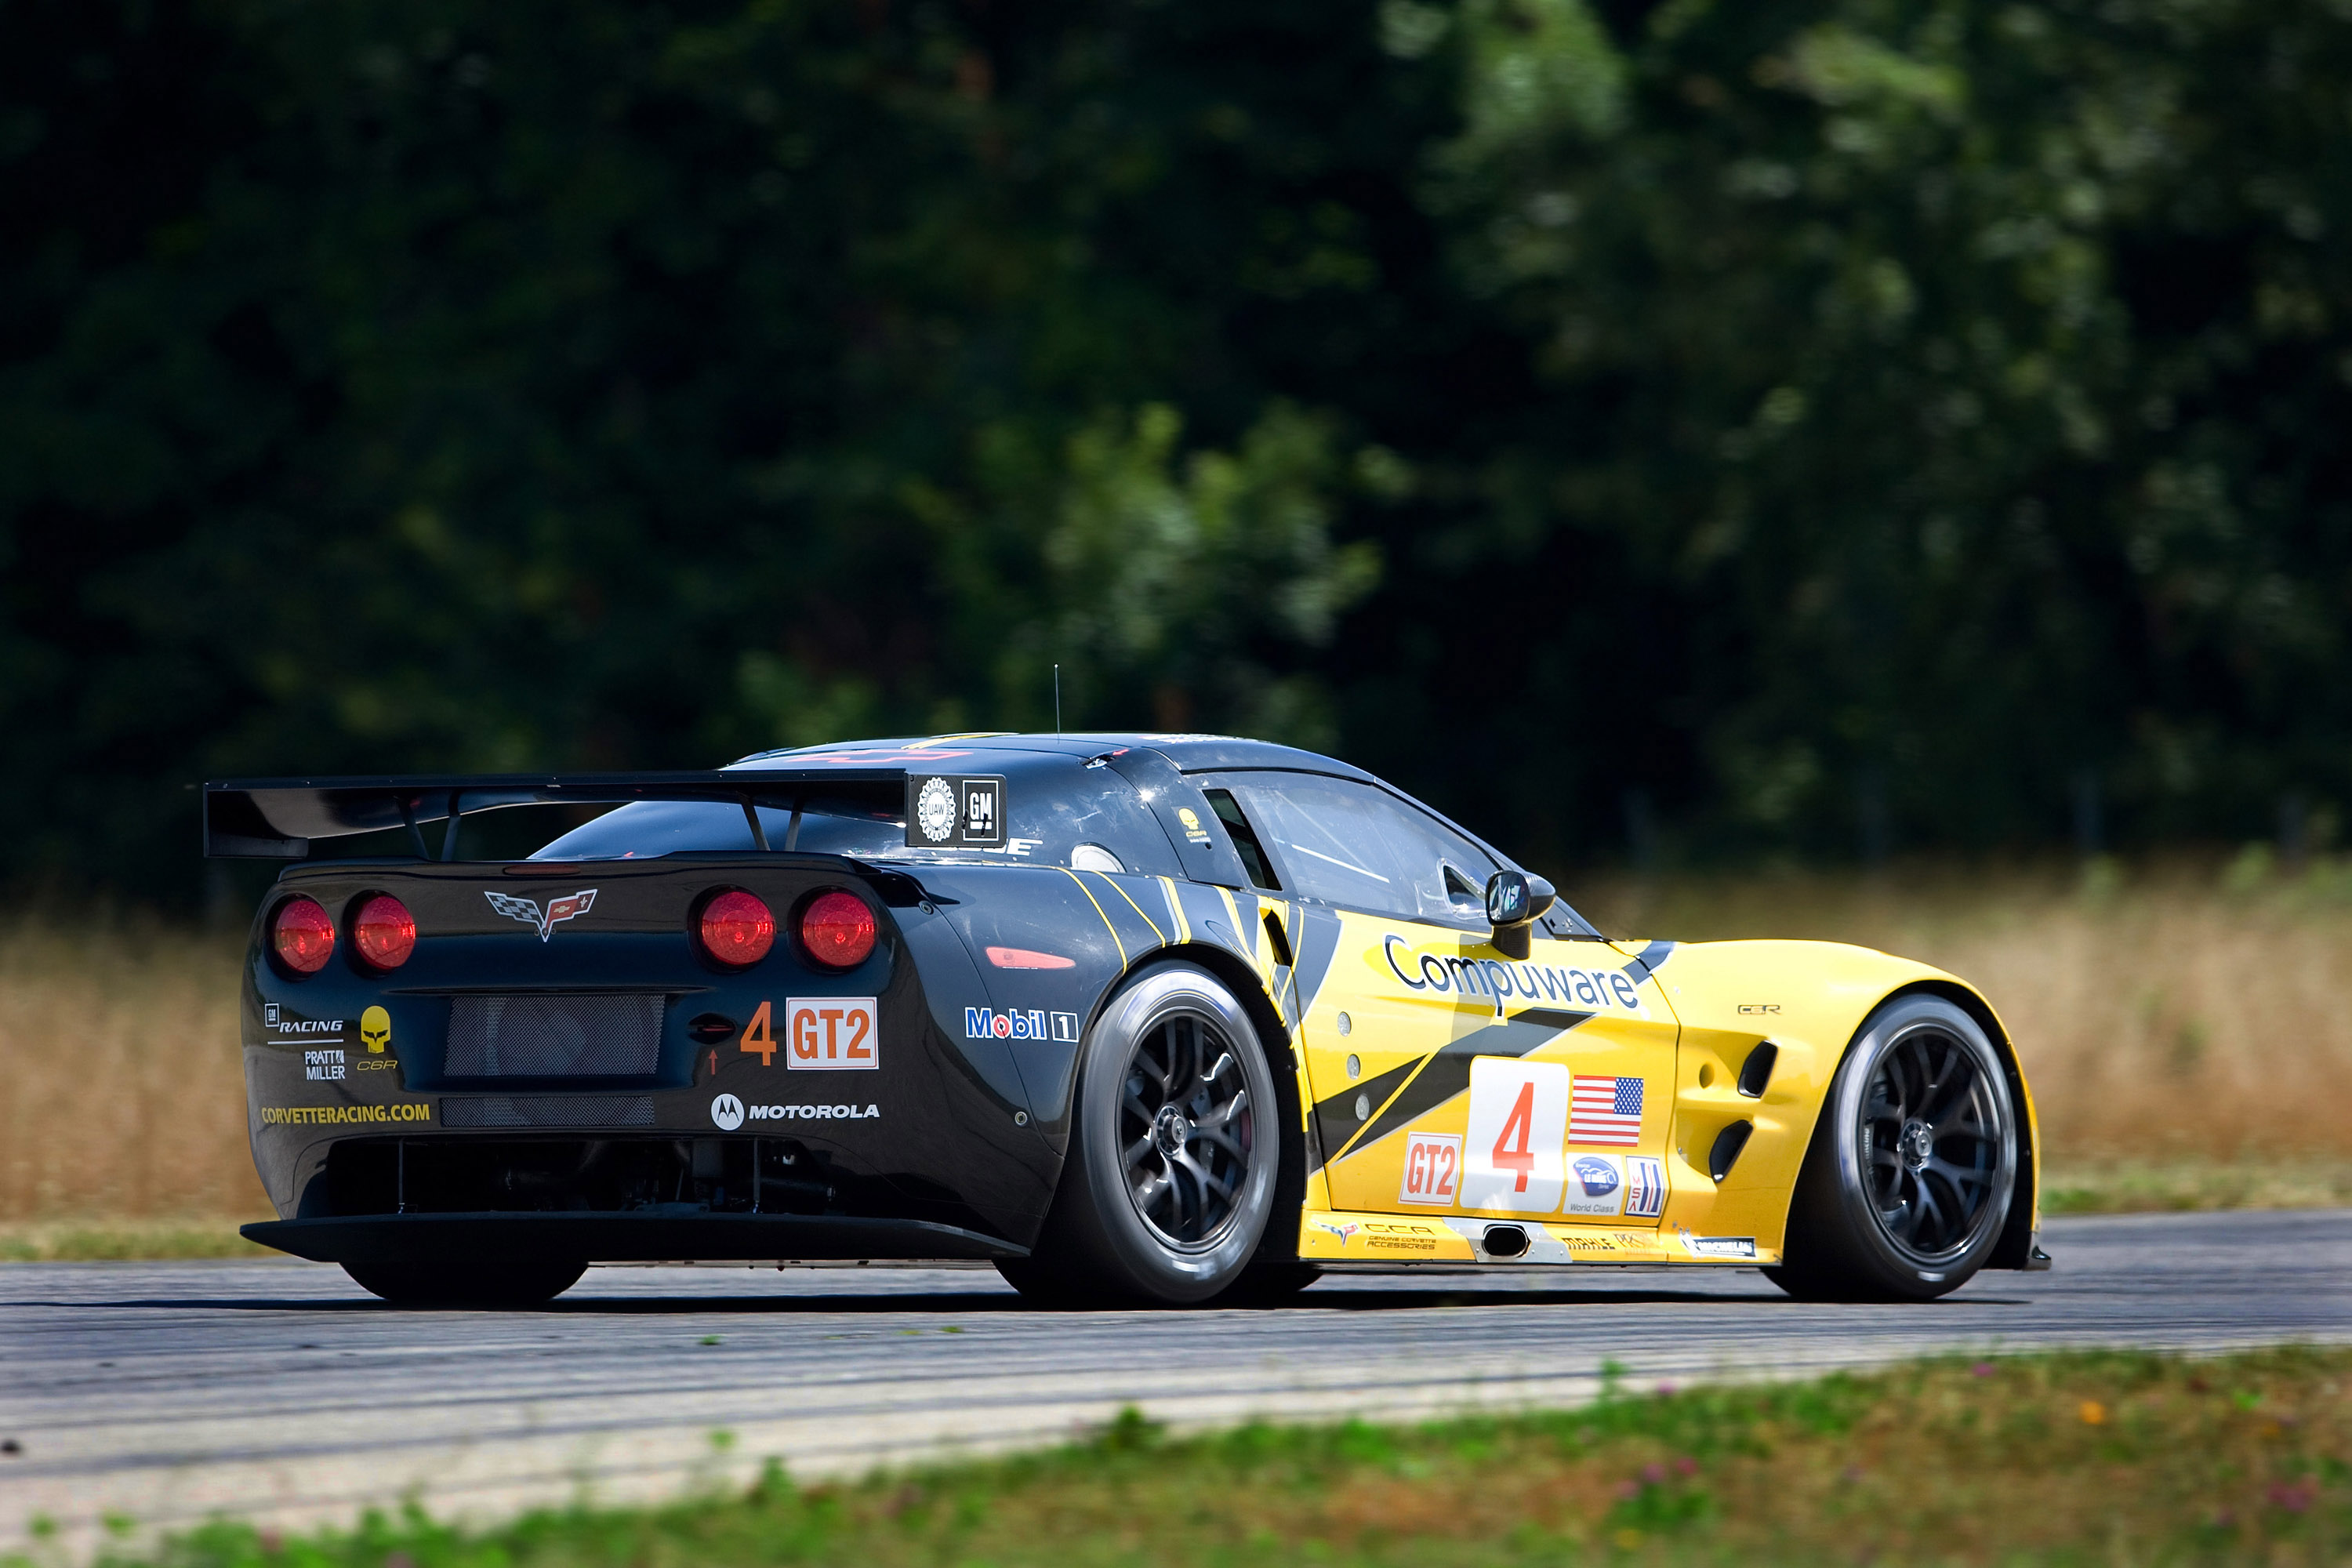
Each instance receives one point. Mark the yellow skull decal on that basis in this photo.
(1185, 814)
(375, 1030)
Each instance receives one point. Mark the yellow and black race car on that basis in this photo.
(1138, 1018)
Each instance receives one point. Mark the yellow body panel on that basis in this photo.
(1683, 1019)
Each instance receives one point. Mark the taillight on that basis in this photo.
(383, 932)
(737, 929)
(302, 936)
(838, 930)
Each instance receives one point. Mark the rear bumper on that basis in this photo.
(625, 1238)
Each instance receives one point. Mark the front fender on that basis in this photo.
(1808, 1000)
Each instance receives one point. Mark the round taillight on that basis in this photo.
(383, 933)
(302, 936)
(838, 930)
(737, 929)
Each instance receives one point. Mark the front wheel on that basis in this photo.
(1175, 1149)
(509, 1284)
(1909, 1179)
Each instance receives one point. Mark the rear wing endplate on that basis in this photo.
(275, 819)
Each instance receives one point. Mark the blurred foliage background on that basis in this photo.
(1690, 431)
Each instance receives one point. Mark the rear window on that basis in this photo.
(643, 829)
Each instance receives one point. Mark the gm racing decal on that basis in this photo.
(286, 1026)
(1498, 980)
(339, 1115)
(1014, 1024)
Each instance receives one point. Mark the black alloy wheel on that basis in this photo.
(1187, 1131)
(1907, 1182)
(1931, 1143)
(1169, 1191)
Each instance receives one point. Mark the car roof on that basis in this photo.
(1191, 753)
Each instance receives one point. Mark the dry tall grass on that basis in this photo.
(121, 1087)
(2179, 1013)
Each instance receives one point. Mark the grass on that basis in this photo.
(2088, 1458)
(2186, 1026)
(109, 1241)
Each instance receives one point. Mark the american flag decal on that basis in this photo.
(1605, 1111)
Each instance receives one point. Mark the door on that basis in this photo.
(1449, 1078)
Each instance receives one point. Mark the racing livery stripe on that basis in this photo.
(1089, 892)
(1314, 941)
(1131, 904)
(1446, 1072)
(1335, 1119)
(1650, 960)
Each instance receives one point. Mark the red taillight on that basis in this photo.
(737, 929)
(303, 936)
(838, 930)
(383, 931)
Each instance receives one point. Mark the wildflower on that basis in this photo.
(1982, 1369)
(2094, 1413)
(1653, 1473)
(1685, 1466)
(2296, 1496)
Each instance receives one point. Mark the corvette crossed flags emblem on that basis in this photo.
(528, 912)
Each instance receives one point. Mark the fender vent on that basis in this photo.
(1756, 1070)
(1727, 1145)
(553, 1035)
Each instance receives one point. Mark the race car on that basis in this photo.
(1139, 1019)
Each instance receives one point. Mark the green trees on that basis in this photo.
(1829, 424)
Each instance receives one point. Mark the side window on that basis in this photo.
(1352, 845)
(1244, 838)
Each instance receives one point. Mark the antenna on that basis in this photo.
(1058, 701)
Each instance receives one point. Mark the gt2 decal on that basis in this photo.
(821, 1034)
(833, 1034)
(1499, 981)
(1016, 1024)
(1432, 1169)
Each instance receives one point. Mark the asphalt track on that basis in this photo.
(275, 1391)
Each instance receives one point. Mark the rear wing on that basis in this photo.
(275, 819)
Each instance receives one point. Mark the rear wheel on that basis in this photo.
(514, 1283)
(1175, 1150)
(1908, 1180)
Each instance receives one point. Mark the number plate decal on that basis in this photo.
(832, 1034)
(1518, 1127)
(1432, 1169)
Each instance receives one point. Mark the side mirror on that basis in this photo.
(1514, 900)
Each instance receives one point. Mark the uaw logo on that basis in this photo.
(544, 922)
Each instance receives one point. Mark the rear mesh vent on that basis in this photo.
(554, 1036)
(549, 1111)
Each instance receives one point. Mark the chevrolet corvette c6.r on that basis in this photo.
(1136, 1018)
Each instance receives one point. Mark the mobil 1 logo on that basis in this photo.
(955, 811)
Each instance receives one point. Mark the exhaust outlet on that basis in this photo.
(1505, 1241)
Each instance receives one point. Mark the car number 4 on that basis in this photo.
(1517, 1135)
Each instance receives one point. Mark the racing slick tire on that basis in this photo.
(528, 1282)
(1175, 1149)
(1907, 1182)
